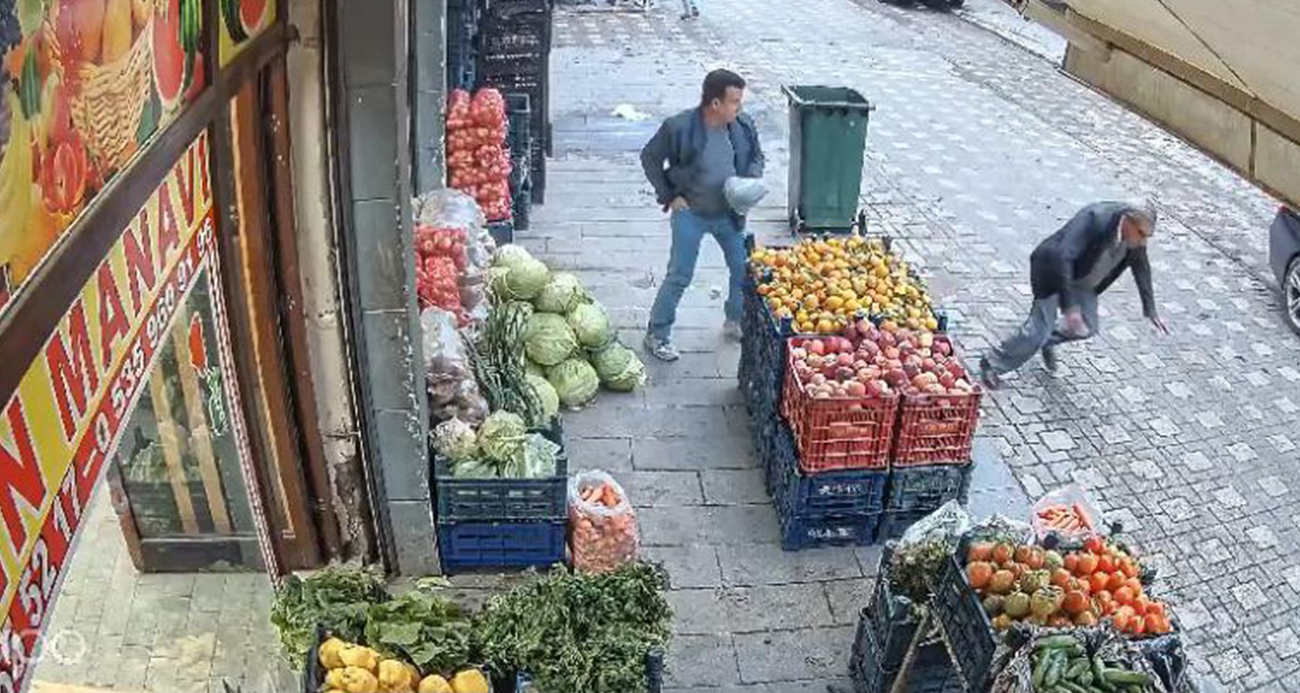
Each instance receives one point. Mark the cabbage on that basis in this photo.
(560, 294)
(546, 393)
(531, 367)
(455, 440)
(619, 368)
(590, 325)
(501, 437)
(536, 459)
(575, 382)
(510, 255)
(549, 339)
(495, 277)
(474, 468)
(526, 279)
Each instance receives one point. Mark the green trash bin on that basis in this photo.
(828, 132)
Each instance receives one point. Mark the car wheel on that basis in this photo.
(1291, 295)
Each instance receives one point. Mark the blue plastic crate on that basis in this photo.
(798, 533)
(467, 546)
(830, 493)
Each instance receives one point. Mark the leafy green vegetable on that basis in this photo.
(590, 325)
(549, 339)
(560, 294)
(337, 599)
(430, 631)
(619, 368)
(575, 382)
(578, 632)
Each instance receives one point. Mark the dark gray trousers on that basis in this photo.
(1040, 330)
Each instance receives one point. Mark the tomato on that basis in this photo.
(1094, 544)
(1137, 625)
(1072, 563)
(1106, 563)
(1128, 567)
(1061, 578)
(1157, 624)
(1124, 595)
(1087, 564)
(1115, 582)
(1156, 609)
(1135, 585)
(1121, 619)
(1098, 582)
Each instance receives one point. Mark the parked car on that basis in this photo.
(1284, 256)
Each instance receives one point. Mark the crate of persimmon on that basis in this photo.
(838, 403)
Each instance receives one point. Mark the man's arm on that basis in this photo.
(653, 156)
(1141, 267)
(758, 161)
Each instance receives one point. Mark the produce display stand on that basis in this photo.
(828, 133)
(950, 645)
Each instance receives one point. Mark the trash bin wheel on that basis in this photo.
(796, 223)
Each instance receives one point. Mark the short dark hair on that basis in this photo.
(717, 83)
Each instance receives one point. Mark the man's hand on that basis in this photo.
(677, 205)
(1074, 324)
(1160, 324)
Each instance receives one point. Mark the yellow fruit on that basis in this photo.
(358, 680)
(329, 653)
(394, 677)
(434, 684)
(360, 657)
(470, 681)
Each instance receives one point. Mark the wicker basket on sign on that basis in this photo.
(107, 109)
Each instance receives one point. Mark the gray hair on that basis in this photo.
(1143, 211)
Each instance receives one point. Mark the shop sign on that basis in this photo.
(84, 84)
(241, 22)
(62, 425)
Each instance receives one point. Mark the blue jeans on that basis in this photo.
(689, 229)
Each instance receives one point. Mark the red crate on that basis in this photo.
(840, 432)
(936, 429)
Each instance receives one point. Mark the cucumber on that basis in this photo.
(1040, 668)
(1071, 687)
(1056, 641)
(1055, 665)
(1125, 677)
(1076, 669)
(1099, 675)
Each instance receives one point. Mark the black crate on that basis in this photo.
(460, 499)
(962, 617)
(502, 232)
(889, 615)
(519, 114)
(798, 533)
(873, 669)
(913, 489)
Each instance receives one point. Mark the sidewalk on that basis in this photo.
(977, 150)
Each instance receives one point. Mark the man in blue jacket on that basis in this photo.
(688, 162)
(1067, 272)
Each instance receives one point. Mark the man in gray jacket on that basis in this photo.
(688, 162)
(1067, 272)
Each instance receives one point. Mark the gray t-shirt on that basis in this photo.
(716, 164)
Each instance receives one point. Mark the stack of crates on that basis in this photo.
(519, 115)
(462, 30)
(886, 629)
(488, 524)
(514, 56)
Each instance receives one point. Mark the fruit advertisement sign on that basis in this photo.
(62, 425)
(241, 21)
(84, 84)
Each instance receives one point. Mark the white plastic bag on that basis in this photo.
(1068, 513)
(743, 194)
(602, 521)
(453, 392)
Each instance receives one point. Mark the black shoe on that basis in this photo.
(1049, 359)
(988, 376)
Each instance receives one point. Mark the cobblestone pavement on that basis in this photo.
(978, 148)
(116, 629)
